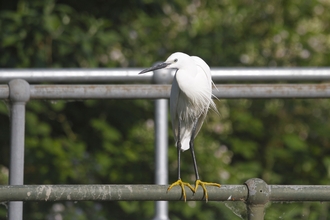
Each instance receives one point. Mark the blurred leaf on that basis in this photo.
(294, 142)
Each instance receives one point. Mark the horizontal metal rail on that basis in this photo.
(230, 91)
(282, 193)
(131, 74)
(116, 193)
(74, 75)
(277, 193)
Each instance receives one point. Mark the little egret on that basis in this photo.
(191, 97)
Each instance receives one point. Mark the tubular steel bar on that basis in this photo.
(163, 91)
(131, 74)
(74, 75)
(161, 152)
(161, 143)
(19, 93)
(251, 194)
(269, 74)
(273, 91)
(299, 193)
(99, 91)
(231, 91)
(117, 193)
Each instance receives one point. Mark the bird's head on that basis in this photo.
(175, 61)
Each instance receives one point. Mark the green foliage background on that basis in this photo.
(91, 142)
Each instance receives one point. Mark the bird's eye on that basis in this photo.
(175, 60)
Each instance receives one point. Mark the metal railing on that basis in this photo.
(255, 192)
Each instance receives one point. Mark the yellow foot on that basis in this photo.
(203, 184)
(181, 184)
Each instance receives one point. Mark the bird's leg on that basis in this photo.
(198, 181)
(179, 182)
(178, 148)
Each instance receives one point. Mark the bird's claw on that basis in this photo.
(182, 184)
(203, 184)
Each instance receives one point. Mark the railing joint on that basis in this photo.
(258, 197)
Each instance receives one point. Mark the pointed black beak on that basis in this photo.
(157, 67)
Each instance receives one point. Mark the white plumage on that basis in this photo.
(191, 95)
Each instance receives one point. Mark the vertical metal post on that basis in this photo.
(161, 155)
(259, 193)
(19, 94)
(161, 143)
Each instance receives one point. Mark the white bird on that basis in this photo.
(191, 97)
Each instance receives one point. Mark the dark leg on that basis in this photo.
(191, 144)
(179, 151)
(198, 181)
